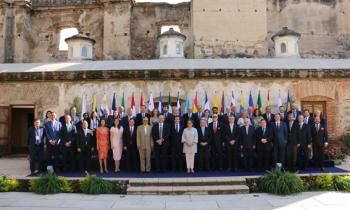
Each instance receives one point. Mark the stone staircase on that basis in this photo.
(187, 186)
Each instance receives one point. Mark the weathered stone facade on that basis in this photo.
(123, 29)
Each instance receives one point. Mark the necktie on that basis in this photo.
(131, 130)
(203, 129)
(231, 128)
(290, 126)
(278, 125)
(214, 127)
(246, 129)
(160, 131)
(317, 127)
(177, 128)
(37, 134)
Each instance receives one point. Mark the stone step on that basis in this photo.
(208, 181)
(188, 190)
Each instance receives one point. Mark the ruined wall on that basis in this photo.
(324, 25)
(2, 31)
(146, 22)
(58, 95)
(229, 28)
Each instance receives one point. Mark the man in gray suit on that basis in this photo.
(279, 141)
(144, 145)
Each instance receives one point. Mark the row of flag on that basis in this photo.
(220, 104)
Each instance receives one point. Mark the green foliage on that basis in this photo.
(253, 185)
(281, 183)
(324, 182)
(95, 185)
(49, 184)
(7, 185)
(346, 139)
(342, 183)
(77, 104)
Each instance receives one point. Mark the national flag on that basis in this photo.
(170, 108)
(83, 106)
(94, 107)
(178, 104)
(258, 103)
(195, 104)
(206, 102)
(288, 103)
(279, 100)
(187, 104)
(160, 106)
(233, 100)
(103, 105)
(251, 103)
(268, 102)
(114, 106)
(123, 102)
(150, 103)
(223, 104)
(133, 107)
(216, 102)
(242, 102)
(142, 102)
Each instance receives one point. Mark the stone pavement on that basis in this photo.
(308, 200)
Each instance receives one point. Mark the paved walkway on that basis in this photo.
(308, 200)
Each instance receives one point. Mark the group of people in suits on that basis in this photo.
(165, 141)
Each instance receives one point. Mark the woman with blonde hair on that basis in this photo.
(117, 143)
(190, 140)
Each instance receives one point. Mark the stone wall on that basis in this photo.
(146, 22)
(2, 31)
(58, 95)
(324, 25)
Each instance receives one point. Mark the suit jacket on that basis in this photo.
(247, 140)
(284, 117)
(292, 134)
(67, 136)
(168, 118)
(175, 138)
(85, 143)
(268, 134)
(53, 131)
(228, 135)
(144, 140)
(204, 138)
(216, 140)
(139, 119)
(272, 118)
(166, 134)
(125, 121)
(225, 118)
(31, 138)
(280, 135)
(296, 114)
(319, 137)
(129, 139)
(304, 135)
(197, 119)
(310, 121)
(185, 117)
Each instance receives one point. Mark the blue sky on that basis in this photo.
(169, 1)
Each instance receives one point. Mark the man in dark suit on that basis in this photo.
(264, 136)
(188, 116)
(294, 111)
(204, 138)
(283, 114)
(141, 115)
(319, 142)
(292, 143)
(168, 117)
(130, 147)
(125, 119)
(176, 145)
(217, 143)
(68, 136)
(247, 142)
(268, 116)
(62, 119)
(304, 143)
(225, 117)
(160, 135)
(231, 136)
(85, 147)
(308, 119)
(53, 136)
(36, 144)
(279, 141)
(109, 119)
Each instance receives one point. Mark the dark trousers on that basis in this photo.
(232, 157)
(36, 156)
(217, 158)
(84, 160)
(177, 159)
(318, 151)
(292, 157)
(279, 154)
(302, 157)
(160, 153)
(132, 159)
(68, 159)
(249, 156)
(54, 157)
(203, 155)
(264, 156)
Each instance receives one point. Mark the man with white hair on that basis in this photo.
(85, 147)
(247, 142)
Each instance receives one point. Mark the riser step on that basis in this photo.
(188, 190)
(187, 182)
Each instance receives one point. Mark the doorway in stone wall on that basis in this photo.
(312, 106)
(22, 118)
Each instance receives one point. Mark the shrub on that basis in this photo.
(7, 185)
(281, 183)
(95, 185)
(49, 184)
(342, 183)
(324, 182)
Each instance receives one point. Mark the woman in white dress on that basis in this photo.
(190, 140)
(117, 143)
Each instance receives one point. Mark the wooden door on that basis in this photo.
(312, 106)
(5, 124)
